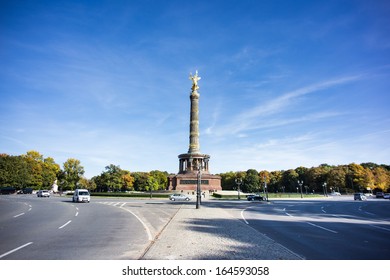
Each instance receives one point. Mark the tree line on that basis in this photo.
(364, 177)
(33, 170)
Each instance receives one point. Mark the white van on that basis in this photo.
(81, 195)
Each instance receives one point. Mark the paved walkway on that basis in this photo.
(211, 233)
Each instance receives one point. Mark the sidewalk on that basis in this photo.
(211, 233)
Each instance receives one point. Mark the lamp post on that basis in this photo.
(238, 182)
(300, 183)
(199, 177)
(265, 188)
(325, 190)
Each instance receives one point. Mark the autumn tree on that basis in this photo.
(337, 178)
(127, 181)
(275, 181)
(382, 179)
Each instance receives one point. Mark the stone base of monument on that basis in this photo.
(189, 181)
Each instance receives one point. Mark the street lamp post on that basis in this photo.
(325, 190)
(265, 188)
(238, 182)
(199, 177)
(300, 183)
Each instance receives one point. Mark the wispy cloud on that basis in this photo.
(248, 120)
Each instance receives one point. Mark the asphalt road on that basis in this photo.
(55, 228)
(333, 229)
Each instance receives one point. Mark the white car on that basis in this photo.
(335, 193)
(81, 195)
(43, 193)
(179, 196)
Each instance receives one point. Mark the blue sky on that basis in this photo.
(284, 83)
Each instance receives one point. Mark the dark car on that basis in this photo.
(7, 190)
(379, 194)
(253, 197)
(359, 196)
(27, 190)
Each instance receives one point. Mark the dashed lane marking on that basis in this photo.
(16, 249)
(18, 215)
(64, 225)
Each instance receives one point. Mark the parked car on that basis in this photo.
(179, 196)
(27, 190)
(81, 195)
(7, 190)
(335, 193)
(253, 197)
(43, 193)
(386, 196)
(359, 196)
(379, 194)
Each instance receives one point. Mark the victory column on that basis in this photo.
(193, 163)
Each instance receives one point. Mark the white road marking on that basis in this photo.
(368, 213)
(77, 213)
(64, 225)
(16, 249)
(18, 215)
(380, 227)
(142, 222)
(288, 214)
(324, 228)
(242, 215)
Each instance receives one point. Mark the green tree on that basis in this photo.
(50, 172)
(112, 177)
(228, 180)
(161, 178)
(290, 180)
(140, 181)
(153, 184)
(302, 174)
(35, 166)
(72, 173)
(317, 176)
(98, 183)
(251, 182)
